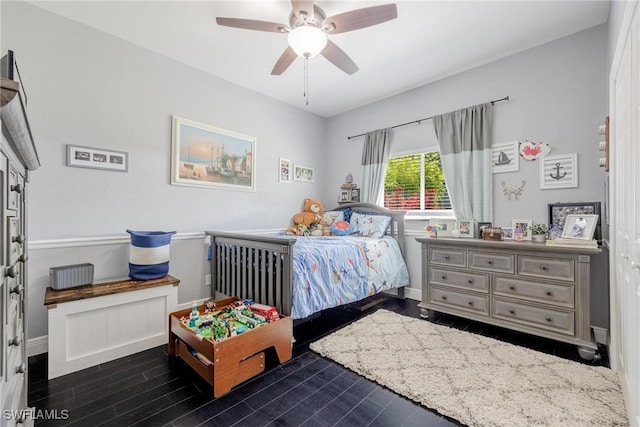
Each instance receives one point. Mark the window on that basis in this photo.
(416, 182)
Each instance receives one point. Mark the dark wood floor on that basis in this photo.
(149, 389)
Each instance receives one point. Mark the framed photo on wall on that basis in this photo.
(284, 170)
(505, 157)
(207, 156)
(97, 158)
(303, 173)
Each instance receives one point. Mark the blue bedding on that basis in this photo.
(331, 271)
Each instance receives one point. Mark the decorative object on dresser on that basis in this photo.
(558, 214)
(579, 227)
(539, 232)
(18, 157)
(507, 233)
(492, 233)
(465, 227)
(207, 156)
(480, 226)
(521, 229)
(537, 289)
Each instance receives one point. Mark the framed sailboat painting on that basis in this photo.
(504, 157)
(207, 156)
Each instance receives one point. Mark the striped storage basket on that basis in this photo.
(149, 256)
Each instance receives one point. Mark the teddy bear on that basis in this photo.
(311, 214)
(325, 225)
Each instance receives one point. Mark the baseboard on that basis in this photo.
(37, 345)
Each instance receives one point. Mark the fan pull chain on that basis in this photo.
(306, 79)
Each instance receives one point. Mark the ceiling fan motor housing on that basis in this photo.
(304, 19)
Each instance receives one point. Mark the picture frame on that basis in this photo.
(507, 233)
(79, 156)
(559, 171)
(479, 227)
(465, 227)
(303, 173)
(505, 157)
(207, 156)
(355, 194)
(284, 170)
(558, 213)
(444, 226)
(345, 196)
(525, 225)
(581, 226)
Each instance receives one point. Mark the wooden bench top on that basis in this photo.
(53, 297)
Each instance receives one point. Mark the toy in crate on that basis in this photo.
(492, 233)
(220, 323)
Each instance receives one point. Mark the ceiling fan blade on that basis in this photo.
(360, 18)
(287, 57)
(339, 58)
(250, 24)
(303, 9)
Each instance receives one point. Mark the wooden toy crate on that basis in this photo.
(234, 360)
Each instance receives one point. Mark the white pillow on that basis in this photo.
(370, 225)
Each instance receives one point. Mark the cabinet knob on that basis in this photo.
(512, 311)
(548, 292)
(512, 288)
(549, 319)
(11, 272)
(444, 297)
(23, 258)
(17, 188)
(470, 281)
(444, 277)
(446, 257)
(21, 369)
(19, 238)
(543, 267)
(490, 262)
(16, 289)
(470, 303)
(15, 342)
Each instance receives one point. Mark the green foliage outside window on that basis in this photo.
(403, 183)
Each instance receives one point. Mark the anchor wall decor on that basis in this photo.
(559, 171)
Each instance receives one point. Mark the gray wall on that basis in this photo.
(88, 88)
(558, 95)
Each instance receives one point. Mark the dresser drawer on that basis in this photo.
(542, 318)
(547, 268)
(447, 256)
(490, 261)
(15, 239)
(472, 281)
(549, 293)
(475, 303)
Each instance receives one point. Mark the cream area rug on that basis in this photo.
(476, 380)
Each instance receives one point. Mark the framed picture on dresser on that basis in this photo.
(558, 213)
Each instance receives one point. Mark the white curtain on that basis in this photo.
(375, 155)
(465, 148)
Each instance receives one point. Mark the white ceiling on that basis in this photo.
(428, 41)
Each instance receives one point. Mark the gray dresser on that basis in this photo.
(17, 157)
(525, 286)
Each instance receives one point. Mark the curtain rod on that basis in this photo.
(506, 98)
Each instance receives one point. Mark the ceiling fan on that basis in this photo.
(308, 30)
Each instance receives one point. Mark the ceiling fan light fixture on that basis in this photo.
(307, 41)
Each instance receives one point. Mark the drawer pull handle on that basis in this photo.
(446, 257)
(470, 281)
(16, 289)
(512, 288)
(490, 262)
(444, 297)
(512, 311)
(543, 267)
(17, 188)
(11, 272)
(19, 238)
(15, 342)
(548, 292)
(444, 277)
(21, 369)
(470, 303)
(549, 319)
(23, 258)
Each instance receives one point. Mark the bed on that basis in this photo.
(302, 276)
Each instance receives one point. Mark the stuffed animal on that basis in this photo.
(305, 222)
(325, 225)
